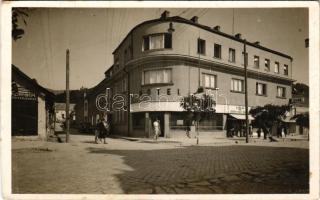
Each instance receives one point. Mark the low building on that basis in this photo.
(32, 106)
(162, 60)
(60, 116)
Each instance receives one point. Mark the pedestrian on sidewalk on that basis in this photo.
(285, 130)
(279, 130)
(102, 130)
(259, 132)
(188, 121)
(250, 130)
(156, 128)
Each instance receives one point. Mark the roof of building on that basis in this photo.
(33, 82)
(212, 30)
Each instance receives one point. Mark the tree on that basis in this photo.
(199, 105)
(268, 115)
(17, 15)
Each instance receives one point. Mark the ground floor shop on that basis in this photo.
(172, 124)
(32, 107)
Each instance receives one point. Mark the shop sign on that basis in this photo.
(21, 93)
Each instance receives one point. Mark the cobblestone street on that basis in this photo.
(146, 167)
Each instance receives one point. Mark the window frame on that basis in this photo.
(146, 41)
(203, 48)
(277, 66)
(284, 92)
(156, 69)
(264, 89)
(204, 82)
(233, 60)
(219, 47)
(254, 62)
(286, 70)
(243, 56)
(267, 68)
(242, 85)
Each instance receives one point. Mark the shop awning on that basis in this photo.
(241, 117)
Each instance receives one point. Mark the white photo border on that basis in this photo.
(5, 90)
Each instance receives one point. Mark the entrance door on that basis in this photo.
(159, 116)
(24, 117)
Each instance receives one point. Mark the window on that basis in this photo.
(217, 51)
(178, 91)
(157, 41)
(244, 58)
(237, 85)
(281, 92)
(261, 89)
(276, 67)
(157, 76)
(209, 81)
(256, 61)
(267, 65)
(285, 70)
(232, 55)
(168, 41)
(201, 46)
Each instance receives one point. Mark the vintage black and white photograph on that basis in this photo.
(161, 100)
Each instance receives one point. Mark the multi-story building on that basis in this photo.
(162, 60)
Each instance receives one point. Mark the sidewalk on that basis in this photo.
(205, 140)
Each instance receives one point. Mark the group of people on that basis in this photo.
(238, 130)
(102, 130)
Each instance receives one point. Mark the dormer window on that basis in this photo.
(157, 41)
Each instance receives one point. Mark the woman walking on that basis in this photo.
(156, 127)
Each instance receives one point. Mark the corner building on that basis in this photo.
(164, 59)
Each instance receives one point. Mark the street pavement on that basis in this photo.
(143, 166)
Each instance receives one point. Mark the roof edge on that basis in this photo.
(186, 21)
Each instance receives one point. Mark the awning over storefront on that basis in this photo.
(241, 117)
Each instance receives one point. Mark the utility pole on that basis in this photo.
(67, 97)
(246, 89)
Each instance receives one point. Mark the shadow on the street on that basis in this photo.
(164, 167)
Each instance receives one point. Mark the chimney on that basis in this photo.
(238, 35)
(216, 28)
(165, 14)
(257, 43)
(194, 19)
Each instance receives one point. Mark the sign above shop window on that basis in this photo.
(22, 93)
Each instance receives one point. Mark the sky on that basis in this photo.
(92, 34)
